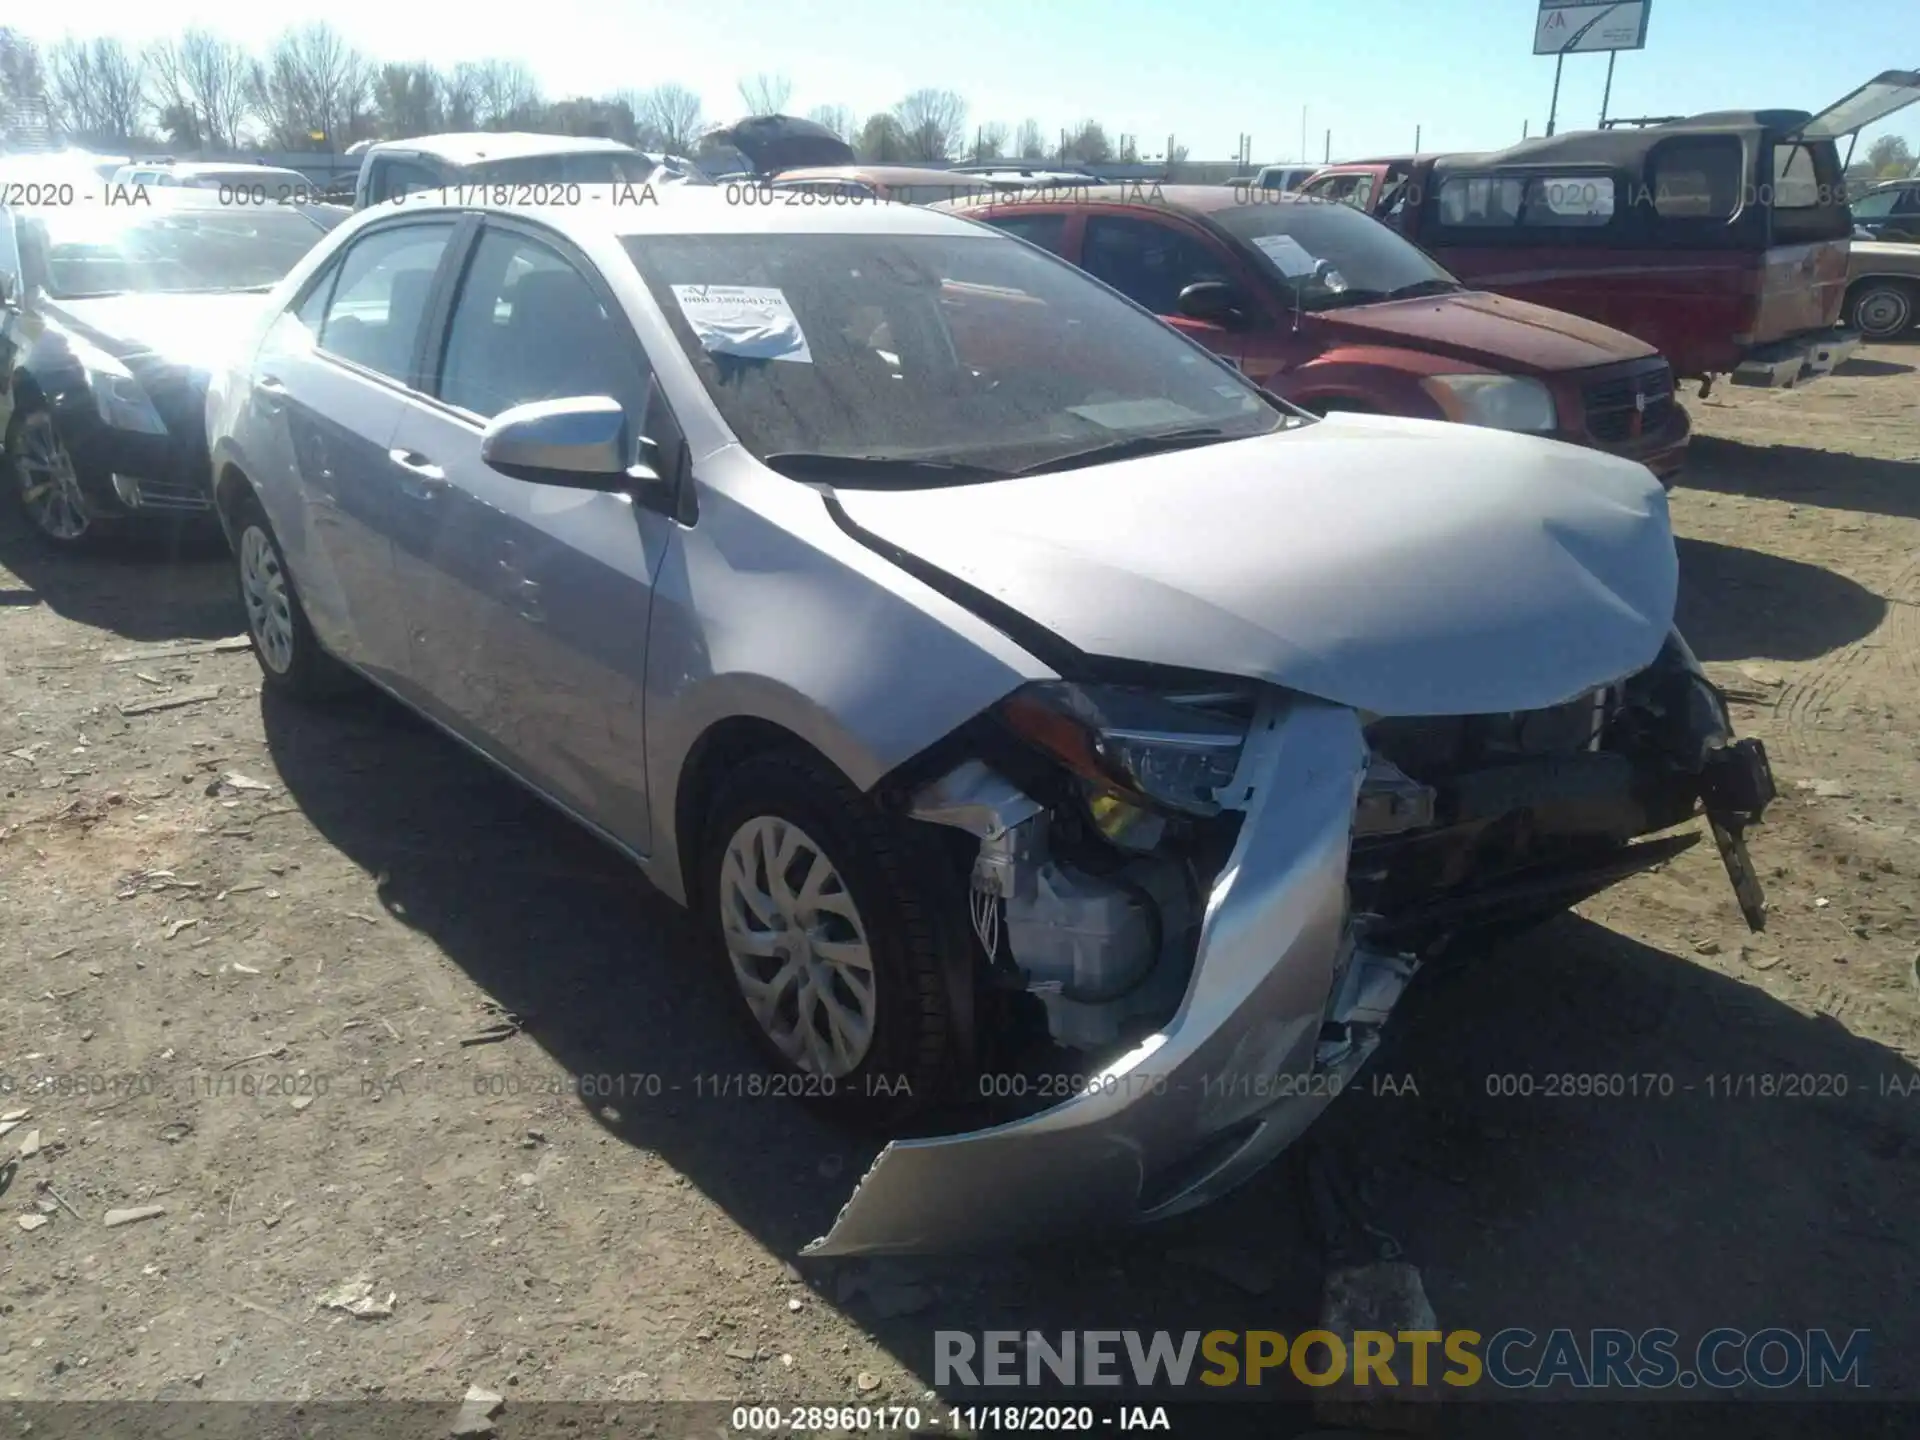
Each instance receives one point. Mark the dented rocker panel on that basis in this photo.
(1274, 937)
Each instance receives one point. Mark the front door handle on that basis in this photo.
(421, 479)
(414, 463)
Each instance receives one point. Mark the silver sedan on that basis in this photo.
(1032, 711)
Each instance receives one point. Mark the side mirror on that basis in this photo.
(579, 442)
(1213, 301)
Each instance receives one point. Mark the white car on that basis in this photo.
(1003, 679)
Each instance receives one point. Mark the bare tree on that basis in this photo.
(989, 142)
(837, 118)
(506, 93)
(933, 122)
(406, 99)
(214, 71)
(22, 80)
(170, 96)
(313, 84)
(766, 94)
(1029, 145)
(671, 114)
(460, 96)
(95, 89)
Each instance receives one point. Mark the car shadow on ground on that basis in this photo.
(1862, 369)
(1797, 474)
(1521, 1206)
(1740, 604)
(140, 587)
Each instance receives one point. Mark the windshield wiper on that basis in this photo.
(1130, 448)
(861, 471)
(1435, 286)
(87, 295)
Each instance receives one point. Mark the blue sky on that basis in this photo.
(1202, 70)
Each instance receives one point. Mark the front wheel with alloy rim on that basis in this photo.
(831, 919)
(47, 483)
(290, 656)
(1881, 310)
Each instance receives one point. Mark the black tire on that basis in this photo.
(906, 897)
(308, 673)
(1883, 309)
(36, 423)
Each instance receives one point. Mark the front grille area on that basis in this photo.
(1612, 409)
(170, 494)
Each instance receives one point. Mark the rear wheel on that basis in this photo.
(826, 916)
(47, 483)
(290, 655)
(1881, 309)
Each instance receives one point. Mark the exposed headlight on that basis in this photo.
(1500, 402)
(117, 395)
(1134, 742)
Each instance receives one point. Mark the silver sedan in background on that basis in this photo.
(1027, 706)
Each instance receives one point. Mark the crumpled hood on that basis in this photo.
(1496, 330)
(195, 331)
(1402, 567)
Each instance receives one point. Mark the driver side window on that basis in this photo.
(1147, 261)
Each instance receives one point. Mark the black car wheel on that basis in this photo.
(826, 916)
(47, 483)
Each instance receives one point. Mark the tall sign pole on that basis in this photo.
(1585, 27)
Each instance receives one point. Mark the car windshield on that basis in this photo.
(155, 249)
(1331, 254)
(932, 359)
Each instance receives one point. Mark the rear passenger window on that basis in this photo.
(1049, 232)
(1501, 201)
(1698, 179)
(373, 315)
(529, 326)
(1480, 200)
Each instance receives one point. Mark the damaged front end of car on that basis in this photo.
(1196, 901)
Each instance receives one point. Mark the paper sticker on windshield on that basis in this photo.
(754, 322)
(1287, 253)
(1135, 414)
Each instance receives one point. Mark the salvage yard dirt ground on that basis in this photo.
(244, 950)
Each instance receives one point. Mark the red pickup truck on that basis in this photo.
(1334, 311)
(1721, 239)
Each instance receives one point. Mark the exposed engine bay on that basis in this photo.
(1104, 817)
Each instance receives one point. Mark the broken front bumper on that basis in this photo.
(1279, 1011)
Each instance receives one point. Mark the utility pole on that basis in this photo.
(1416, 139)
(1607, 94)
(1326, 157)
(1553, 107)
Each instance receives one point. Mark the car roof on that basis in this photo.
(471, 147)
(1199, 199)
(674, 209)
